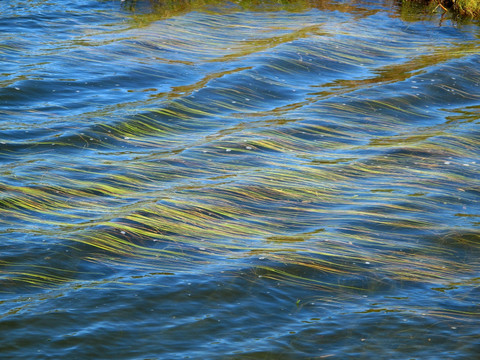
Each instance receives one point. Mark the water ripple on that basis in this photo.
(237, 182)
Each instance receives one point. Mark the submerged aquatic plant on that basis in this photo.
(293, 153)
(236, 183)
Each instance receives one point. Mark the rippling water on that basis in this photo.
(228, 181)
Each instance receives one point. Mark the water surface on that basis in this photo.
(235, 181)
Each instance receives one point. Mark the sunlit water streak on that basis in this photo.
(229, 183)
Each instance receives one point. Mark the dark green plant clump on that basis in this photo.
(467, 7)
(463, 8)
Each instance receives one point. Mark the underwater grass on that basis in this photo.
(214, 219)
(336, 187)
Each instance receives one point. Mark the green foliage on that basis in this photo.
(460, 8)
(469, 8)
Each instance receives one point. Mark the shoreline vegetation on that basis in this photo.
(458, 9)
(470, 8)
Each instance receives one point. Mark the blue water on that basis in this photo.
(226, 181)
